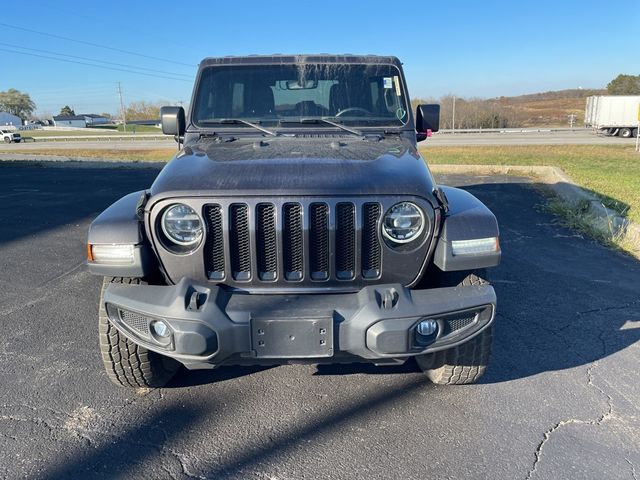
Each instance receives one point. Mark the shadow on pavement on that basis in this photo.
(36, 198)
(121, 456)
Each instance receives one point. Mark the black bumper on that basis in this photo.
(211, 326)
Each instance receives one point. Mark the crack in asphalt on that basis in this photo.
(633, 469)
(608, 414)
(610, 308)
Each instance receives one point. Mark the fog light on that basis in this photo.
(160, 328)
(427, 328)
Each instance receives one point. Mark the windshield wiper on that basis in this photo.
(238, 121)
(323, 120)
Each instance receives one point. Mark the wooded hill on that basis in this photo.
(547, 109)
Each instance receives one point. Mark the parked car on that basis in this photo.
(298, 223)
(9, 136)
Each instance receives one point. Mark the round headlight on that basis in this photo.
(182, 225)
(403, 222)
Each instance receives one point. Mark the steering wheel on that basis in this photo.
(353, 109)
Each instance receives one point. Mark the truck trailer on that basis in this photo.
(613, 114)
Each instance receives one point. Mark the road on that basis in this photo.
(561, 399)
(582, 137)
(579, 137)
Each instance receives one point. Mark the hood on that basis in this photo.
(312, 165)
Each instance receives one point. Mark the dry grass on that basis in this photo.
(151, 155)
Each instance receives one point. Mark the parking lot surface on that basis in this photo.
(561, 398)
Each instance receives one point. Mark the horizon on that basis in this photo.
(72, 55)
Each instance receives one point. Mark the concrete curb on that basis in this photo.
(564, 187)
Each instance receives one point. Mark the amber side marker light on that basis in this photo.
(112, 254)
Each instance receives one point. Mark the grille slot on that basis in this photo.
(214, 247)
(239, 242)
(370, 241)
(267, 250)
(319, 240)
(455, 324)
(292, 243)
(345, 241)
(135, 321)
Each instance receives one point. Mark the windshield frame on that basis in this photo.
(280, 124)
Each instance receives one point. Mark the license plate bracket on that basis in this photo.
(292, 338)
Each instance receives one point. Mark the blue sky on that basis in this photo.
(472, 49)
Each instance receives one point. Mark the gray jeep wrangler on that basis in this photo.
(298, 223)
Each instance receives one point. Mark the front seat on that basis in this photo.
(260, 103)
(338, 98)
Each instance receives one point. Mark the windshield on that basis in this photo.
(277, 95)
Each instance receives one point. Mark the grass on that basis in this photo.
(612, 172)
(148, 155)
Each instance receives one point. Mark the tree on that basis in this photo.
(16, 103)
(67, 111)
(624, 85)
(142, 111)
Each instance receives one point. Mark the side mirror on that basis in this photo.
(173, 120)
(427, 118)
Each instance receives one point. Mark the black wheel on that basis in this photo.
(126, 363)
(625, 133)
(465, 363)
(7, 140)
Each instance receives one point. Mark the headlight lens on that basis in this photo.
(182, 225)
(403, 222)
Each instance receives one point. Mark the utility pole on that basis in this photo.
(453, 119)
(124, 118)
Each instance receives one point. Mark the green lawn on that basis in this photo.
(610, 171)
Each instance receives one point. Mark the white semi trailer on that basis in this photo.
(613, 114)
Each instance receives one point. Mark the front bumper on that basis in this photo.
(210, 326)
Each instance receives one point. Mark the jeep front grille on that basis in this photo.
(292, 242)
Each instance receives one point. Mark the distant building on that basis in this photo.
(7, 119)
(93, 119)
(79, 121)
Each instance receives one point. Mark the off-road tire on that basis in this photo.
(126, 363)
(465, 363)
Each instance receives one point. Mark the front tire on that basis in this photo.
(466, 363)
(128, 364)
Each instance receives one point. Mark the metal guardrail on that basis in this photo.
(509, 130)
(99, 138)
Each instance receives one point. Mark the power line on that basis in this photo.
(95, 60)
(97, 66)
(128, 52)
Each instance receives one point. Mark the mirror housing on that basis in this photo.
(427, 118)
(173, 121)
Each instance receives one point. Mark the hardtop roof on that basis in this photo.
(293, 59)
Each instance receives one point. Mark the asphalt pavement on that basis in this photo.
(561, 399)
